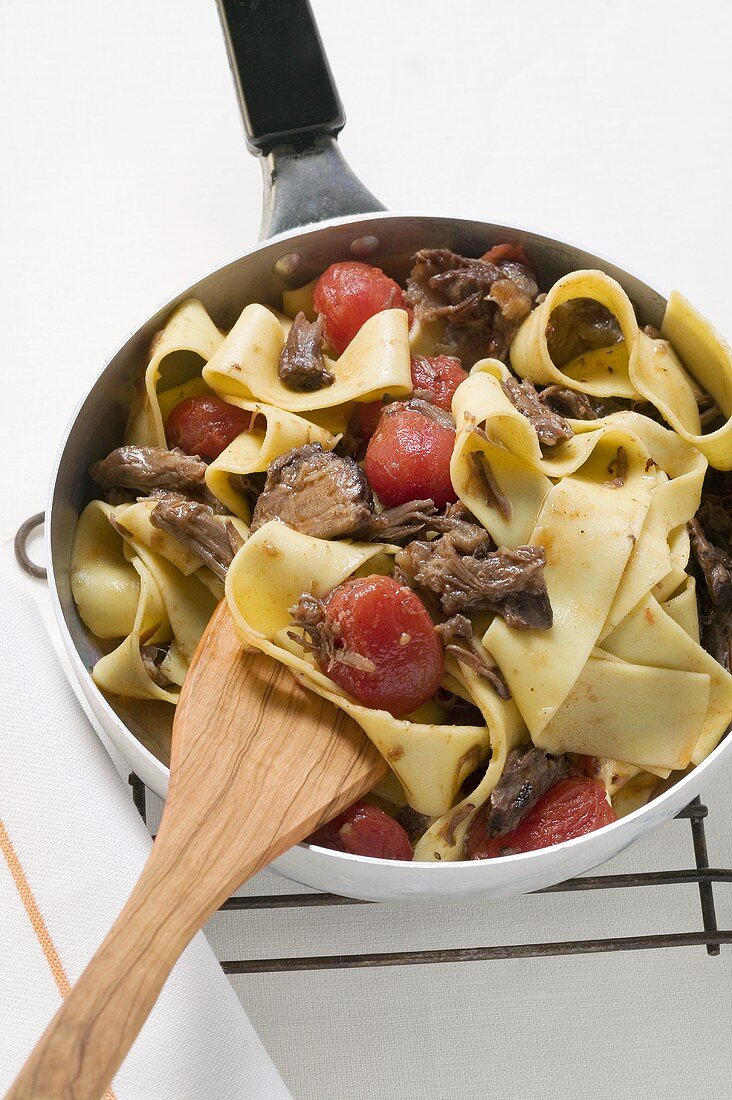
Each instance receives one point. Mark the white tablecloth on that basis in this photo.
(125, 175)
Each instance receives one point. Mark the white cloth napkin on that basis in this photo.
(64, 876)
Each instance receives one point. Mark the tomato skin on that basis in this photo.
(408, 458)
(365, 830)
(389, 625)
(347, 294)
(514, 252)
(204, 426)
(366, 416)
(571, 808)
(441, 376)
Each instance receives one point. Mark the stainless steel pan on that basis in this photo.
(315, 212)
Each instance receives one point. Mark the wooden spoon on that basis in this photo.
(257, 764)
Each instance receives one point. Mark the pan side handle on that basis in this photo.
(292, 113)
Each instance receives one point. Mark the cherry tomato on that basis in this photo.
(572, 807)
(388, 624)
(408, 458)
(347, 294)
(204, 426)
(365, 830)
(513, 252)
(366, 417)
(441, 376)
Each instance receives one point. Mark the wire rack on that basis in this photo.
(709, 935)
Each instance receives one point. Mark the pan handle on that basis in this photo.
(292, 113)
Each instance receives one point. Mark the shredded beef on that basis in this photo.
(509, 582)
(415, 825)
(461, 711)
(425, 408)
(579, 326)
(148, 468)
(395, 525)
(569, 403)
(458, 638)
(715, 564)
(301, 364)
(528, 774)
(322, 638)
(618, 469)
(316, 492)
(196, 528)
(482, 303)
(550, 427)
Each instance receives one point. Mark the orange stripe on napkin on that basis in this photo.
(36, 918)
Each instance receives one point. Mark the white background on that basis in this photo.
(124, 175)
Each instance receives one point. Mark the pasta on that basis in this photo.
(548, 556)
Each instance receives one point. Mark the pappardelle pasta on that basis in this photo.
(491, 524)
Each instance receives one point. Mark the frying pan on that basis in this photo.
(315, 212)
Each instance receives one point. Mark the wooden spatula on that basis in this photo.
(257, 764)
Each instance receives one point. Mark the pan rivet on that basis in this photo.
(288, 263)
(364, 246)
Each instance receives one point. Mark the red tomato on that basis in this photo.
(572, 807)
(366, 417)
(365, 830)
(441, 376)
(204, 426)
(348, 294)
(386, 623)
(408, 458)
(514, 252)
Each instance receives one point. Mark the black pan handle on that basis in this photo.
(292, 113)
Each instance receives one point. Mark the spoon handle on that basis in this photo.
(94, 1028)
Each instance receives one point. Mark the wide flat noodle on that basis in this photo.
(651, 637)
(272, 432)
(376, 362)
(588, 528)
(123, 672)
(631, 712)
(639, 366)
(444, 840)
(177, 355)
(708, 357)
(105, 586)
(269, 573)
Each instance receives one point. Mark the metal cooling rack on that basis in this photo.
(709, 936)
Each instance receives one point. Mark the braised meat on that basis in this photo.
(415, 825)
(316, 492)
(196, 528)
(550, 427)
(509, 582)
(398, 524)
(152, 658)
(458, 638)
(528, 774)
(483, 303)
(321, 637)
(147, 468)
(579, 326)
(301, 364)
(715, 564)
(569, 403)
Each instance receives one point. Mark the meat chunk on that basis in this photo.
(316, 492)
(196, 528)
(322, 637)
(550, 427)
(528, 774)
(568, 403)
(397, 524)
(459, 639)
(301, 364)
(152, 658)
(715, 564)
(415, 825)
(509, 582)
(482, 302)
(579, 326)
(147, 468)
